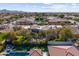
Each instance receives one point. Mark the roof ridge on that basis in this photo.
(37, 52)
(69, 53)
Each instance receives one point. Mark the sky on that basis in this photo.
(41, 7)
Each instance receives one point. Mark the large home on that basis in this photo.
(5, 28)
(62, 50)
(25, 21)
(2, 27)
(24, 26)
(70, 17)
(57, 21)
(35, 52)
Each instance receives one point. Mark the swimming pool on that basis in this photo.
(18, 54)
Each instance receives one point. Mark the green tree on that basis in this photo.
(66, 34)
(19, 39)
(27, 42)
(43, 42)
(11, 35)
(35, 35)
(42, 33)
(61, 15)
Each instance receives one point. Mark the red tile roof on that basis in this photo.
(35, 52)
(62, 51)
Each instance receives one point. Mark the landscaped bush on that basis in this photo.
(29, 37)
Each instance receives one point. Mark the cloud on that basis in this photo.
(43, 7)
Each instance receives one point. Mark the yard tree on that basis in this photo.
(43, 33)
(61, 15)
(43, 42)
(19, 39)
(27, 42)
(35, 35)
(69, 34)
(11, 35)
(66, 34)
(14, 42)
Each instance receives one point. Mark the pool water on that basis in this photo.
(9, 51)
(18, 54)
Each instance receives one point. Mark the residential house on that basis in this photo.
(5, 28)
(25, 21)
(62, 49)
(57, 21)
(35, 52)
(70, 17)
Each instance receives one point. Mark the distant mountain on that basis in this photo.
(10, 11)
(15, 11)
